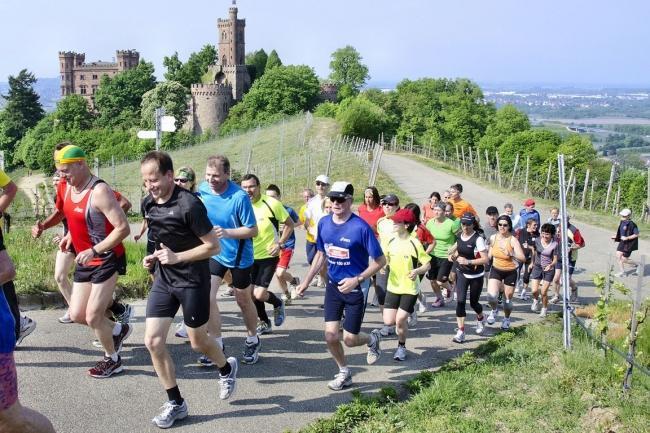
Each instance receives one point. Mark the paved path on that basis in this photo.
(285, 390)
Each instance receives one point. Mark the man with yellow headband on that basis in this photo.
(97, 225)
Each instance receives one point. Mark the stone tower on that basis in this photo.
(127, 59)
(209, 106)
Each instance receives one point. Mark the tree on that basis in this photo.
(169, 94)
(362, 118)
(541, 145)
(118, 99)
(347, 69)
(273, 61)
(72, 113)
(22, 111)
(256, 64)
(193, 70)
(578, 151)
(506, 122)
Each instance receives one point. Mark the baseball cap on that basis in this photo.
(492, 210)
(323, 178)
(185, 173)
(405, 216)
(390, 198)
(341, 189)
(529, 202)
(625, 212)
(467, 218)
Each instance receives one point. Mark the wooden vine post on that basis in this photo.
(584, 190)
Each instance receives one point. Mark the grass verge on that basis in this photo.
(519, 381)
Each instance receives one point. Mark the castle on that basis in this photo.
(225, 82)
(81, 78)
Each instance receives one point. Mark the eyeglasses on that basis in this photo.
(181, 180)
(338, 199)
(389, 204)
(319, 183)
(503, 225)
(466, 224)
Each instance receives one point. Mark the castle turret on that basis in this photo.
(127, 59)
(209, 106)
(67, 61)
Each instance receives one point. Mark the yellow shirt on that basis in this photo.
(269, 214)
(404, 255)
(4, 179)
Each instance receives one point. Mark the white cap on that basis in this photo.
(625, 212)
(323, 178)
(341, 189)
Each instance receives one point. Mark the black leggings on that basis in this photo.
(381, 285)
(475, 288)
(10, 293)
(526, 276)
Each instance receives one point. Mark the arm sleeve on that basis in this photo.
(480, 244)
(319, 239)
(294, 216)
(245, 212)
(280, 212)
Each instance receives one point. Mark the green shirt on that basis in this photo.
(269, 214)
(445, 235)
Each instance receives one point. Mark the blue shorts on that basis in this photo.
(310, 248)
(7, 334)
(353, 303)
(572, 266)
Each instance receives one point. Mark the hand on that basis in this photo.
(548, 268)
(166, 256)
(37, 229)
(412, 275)
(84, 257)
(613, 237)
(149, 261)
(56, 239)
(220, 232)
(274, 249)
(623, 238)
(302, 288)
(462, 261)
(64, 243)
(136, 237)
(347, 284)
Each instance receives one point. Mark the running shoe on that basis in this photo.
(480, 326)
(230, 291)
(438, 303)
(542, 313)
(555, 299)
(204, 361)
(373, 348)
(535, 306)
(169, 413)
(522, 294)
(318, 282)
(400, 353)
(228, 384)
(492, 317)
(422, 307)
(294, 295)
(500, 298)
(619, 274)
(66, 318)
(96, 343)
(574, 296)
(279, 315)
(505, 323)
(252, 352)
(126, 316)
(342, 379)
(181, 331)
(386, 330)
(459, 337)
(123, 335)
(455, 296)
(637, 271)
(106, 368)
(412, 321)
(286, 298)
(27, 326)
(264, 328)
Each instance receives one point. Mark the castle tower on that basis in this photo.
(209, 106)
(66, 67)
(127, 59)
(232, 52)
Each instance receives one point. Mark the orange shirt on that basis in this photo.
(461, 206)
(501, 259)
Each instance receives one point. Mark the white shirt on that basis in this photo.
(314, 213)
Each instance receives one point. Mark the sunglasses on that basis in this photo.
(466, 224)
(504, 225)
(338, 199)
(319, 183)
(389, 204)
(181, 180)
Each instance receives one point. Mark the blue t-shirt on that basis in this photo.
(524, 216)
(230, 210)
(291, 242)
(7, 333)
(347, 246)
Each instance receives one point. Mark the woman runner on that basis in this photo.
(545, 254)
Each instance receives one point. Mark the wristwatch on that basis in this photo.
(360, 279)
(281, 245)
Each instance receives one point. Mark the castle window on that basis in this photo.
(224, 36)
(94, 76)
(82, 90)
(94, 89)
(82, 77)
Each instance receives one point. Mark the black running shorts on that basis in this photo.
(101, 273)
(164, 301)
(440, 269)
(509, 277)
(263, 270)
(403, 302)
(241, 278)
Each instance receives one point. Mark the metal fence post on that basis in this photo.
(566, 314)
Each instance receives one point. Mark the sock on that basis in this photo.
(401, 343)
(344, 369)
(225, 370)
(117, 308)
(479, 317)
(219, 341)
(174, 394)
(462, 329)
(261, 311)
(274, 300)
(117, 328)
(254, 339)
(113, 356)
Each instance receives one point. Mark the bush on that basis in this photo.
(326, 109)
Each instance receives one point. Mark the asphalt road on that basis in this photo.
(287, 388)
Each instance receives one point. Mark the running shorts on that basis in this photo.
(310, 249)
(241, 278)
(164, 301)
(285, 258)
(508, 277)
(263, 270)
(353, 303)
(404, 302)
(539, 274)
(572, 265)
(101, 273)
(440, 269)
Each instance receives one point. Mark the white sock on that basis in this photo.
(117, 328)
(219, 341)
(253, 339)
(113, 356)
(344, 369)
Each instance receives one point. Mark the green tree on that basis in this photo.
(22, 111)
(506, 121)
(273, 61)
(118, 99)
(72, 112)
(29, 146)
(347, 69)
(171, 95)
(326, 109)
(578, 151)
(193, 70)
(256, 64)
(541, 145)
(361, 118)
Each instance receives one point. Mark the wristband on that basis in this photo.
(95, 253)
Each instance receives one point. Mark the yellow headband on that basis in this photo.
(69, 154)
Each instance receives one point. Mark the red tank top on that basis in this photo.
(87, 225)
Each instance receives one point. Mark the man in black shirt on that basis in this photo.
(184, 241)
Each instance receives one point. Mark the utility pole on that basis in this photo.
(160, 112)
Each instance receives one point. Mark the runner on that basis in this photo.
(386, 231)
(406, 260)
(627, 237)
(424, 236)
(461, 206)
(346, 242)
(449, 211)
(444, 231)
(429, 205)
(555, 217)
(307, 194)
(545, 254)
(268, 243)
(504, 250)
(508, 210)
(371, 210)
(281, 272)
(97, 227)
(181, 278)
(14, 418)
(576, 242)
(527, 239)
(231, 213)
(445, 196)
(527, 213)
(470, 256)
(313, 213)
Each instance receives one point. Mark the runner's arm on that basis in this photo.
(518, 253)
(124, 203)
(9, 192)
(316, 266)
(241, 232)
(52, 220)
(104, 200)
(210, 247)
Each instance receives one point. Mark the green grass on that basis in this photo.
(519, 381)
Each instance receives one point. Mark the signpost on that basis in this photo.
(163, 124)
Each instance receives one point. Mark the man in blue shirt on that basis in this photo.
(231, 213)
(346, 242)
(528, 212)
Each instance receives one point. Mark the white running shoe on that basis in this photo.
(455, 296)
(555, 299)
(374, 349)
(480, 326)
(492, 317)
(170, 412)
(386, 330)
(228, 384)
(400, 353)
(459, 337)
(534, 306)
(27, 326)
(66, 318)
(505, 323)
(181, 331)
(412, 321)
(542, 313)
(422, 308)
(341, 380)
(619, 274)
(522, 294)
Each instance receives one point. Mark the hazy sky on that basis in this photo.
(571, 41)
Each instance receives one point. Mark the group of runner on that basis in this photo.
(219, 231)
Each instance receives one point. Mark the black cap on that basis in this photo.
(468, 219)
(491, 210)
(390, 198)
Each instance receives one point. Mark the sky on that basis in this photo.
(597, 42)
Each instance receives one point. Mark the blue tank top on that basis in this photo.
(7, 328)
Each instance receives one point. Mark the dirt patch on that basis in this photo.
(28, 184)
(600, 419)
